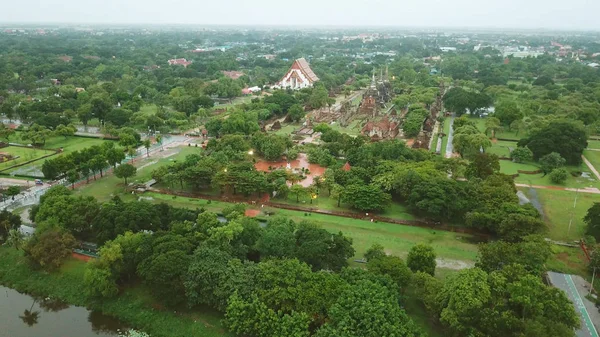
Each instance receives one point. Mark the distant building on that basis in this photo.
(447, 49)
(299, 76)
(594, 65)
(384, 129)
(179, 62)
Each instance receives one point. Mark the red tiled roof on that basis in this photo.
(305, 67)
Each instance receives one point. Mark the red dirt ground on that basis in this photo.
(252, 213)
(302, 161)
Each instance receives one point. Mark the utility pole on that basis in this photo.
(573, 212)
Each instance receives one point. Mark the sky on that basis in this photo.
(529, 14)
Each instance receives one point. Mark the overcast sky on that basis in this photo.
(555, 14)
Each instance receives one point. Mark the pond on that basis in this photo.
(22, 315)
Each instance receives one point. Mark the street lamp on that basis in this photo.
(250, 152)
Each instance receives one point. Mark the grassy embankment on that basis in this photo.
(135, 306)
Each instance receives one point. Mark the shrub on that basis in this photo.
(559, 175)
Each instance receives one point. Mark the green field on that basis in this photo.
(502, 148)
(287, 129)
(394, 210)
(102, 189)
(509, 167)
(397, 239)
(23, 153)
(558, 211)
(593, 144)
(504, 134)
(134, 306)
(68, 145)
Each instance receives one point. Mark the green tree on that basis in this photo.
(12, 191)
(483, 165)
(492, 124)
(592, 221)
(551, 161)
(368, 309)
(298, 191)
(115, 156)
(49, 249)
(296, 112)
(521, 155)
(147, 145)
(421, 258)
(393, 267)
(15, 239)
(321, 249)
(567, 138)
(532, 253)
(72, 177)
(65, 131)
(374, 252)
(559, 175)
(337, 192)
(507, 112)
(366, 197)
(125, 171)
(205, 276)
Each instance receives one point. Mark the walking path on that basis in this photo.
(586, 310)
(449, 146)
(591, 190)
(591, 167)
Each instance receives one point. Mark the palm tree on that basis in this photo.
(159, 141)
(147, 144)
(15, 238)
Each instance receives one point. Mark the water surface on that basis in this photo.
(22, 315)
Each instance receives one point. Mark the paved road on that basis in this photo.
(449, 147)
(566, 284)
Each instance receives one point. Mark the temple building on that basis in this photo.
(299, 76)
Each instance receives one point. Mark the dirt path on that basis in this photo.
(10, 181)
(591, 190)
(449, 146)
(453, 264)
(591, 167)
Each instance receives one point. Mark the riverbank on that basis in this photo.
(134, 306)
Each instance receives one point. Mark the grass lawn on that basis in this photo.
(397, 239)
(148, 109)
(23, 154)
(68, 145)
(103, 188)
(395, 210)
(134, 306)
(508, 167)
(504, 134)
(502, 148)
(593, 144)
(287, 129)
(558, 209)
